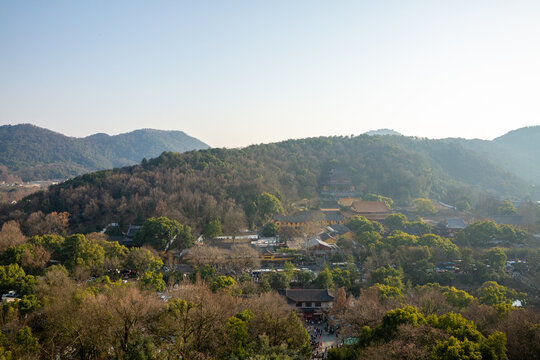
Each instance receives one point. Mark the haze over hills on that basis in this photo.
(34, 153)
(518, 151)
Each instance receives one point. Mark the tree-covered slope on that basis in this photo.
(198, 186)
(517, 151)
(126, 149)
(33, 153)
(455, 162)
(25, 148)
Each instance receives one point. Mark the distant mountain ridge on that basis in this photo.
(517, 151)
(198, 186)
(31, 153)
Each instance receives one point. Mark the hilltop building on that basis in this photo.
(338, 184)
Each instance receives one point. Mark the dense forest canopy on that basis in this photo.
(225, 184)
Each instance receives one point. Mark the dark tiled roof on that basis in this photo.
(307, 295)
(340, 229)
(325, 236)
(292, 218)
(132, 230)
(456, 223)
(333, 215)
(330, 205)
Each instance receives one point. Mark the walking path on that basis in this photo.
(321, 339)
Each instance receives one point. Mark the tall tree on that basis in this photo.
(496, 258)
(212, 229)
(162, 232)
(267, 206)
(10, 235)
(78, 251)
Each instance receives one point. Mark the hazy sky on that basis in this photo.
(234, 73)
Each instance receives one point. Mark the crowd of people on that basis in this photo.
(322, 338)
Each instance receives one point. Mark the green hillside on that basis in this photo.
(126, 149)
(34, 153)
(198, 186)
(517, 151)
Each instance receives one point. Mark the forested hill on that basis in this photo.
(517, 151)
(198, 186)
(34, 153)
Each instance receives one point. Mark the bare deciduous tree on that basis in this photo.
(11, 235)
